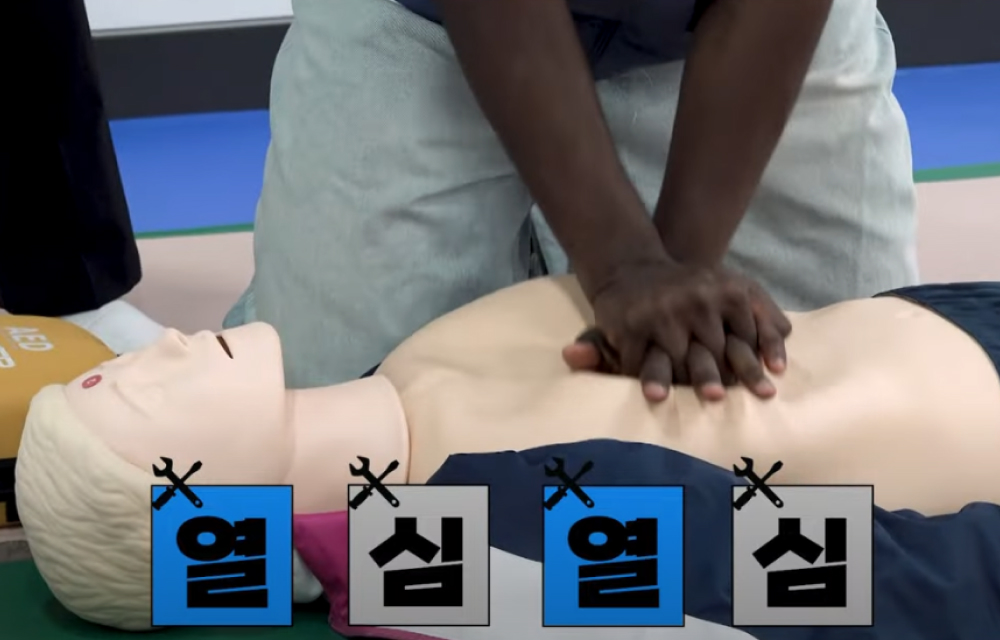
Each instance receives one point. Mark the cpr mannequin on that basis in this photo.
(876, 392)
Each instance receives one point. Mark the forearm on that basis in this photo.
(741, 81)
(525, 64)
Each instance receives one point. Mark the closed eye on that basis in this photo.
(225, 347)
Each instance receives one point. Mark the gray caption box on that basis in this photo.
(757, 523)
(374, 521)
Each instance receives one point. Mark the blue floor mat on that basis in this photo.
(192, 171)
(954, 114)
(205, 170)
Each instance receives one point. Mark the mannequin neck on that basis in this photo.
(331, 427)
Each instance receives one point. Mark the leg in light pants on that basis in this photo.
(388, 200)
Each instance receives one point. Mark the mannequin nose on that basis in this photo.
(175, 341)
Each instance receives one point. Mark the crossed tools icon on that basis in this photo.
(757, 484)
(570, 484)
(375, 483)
(176, 484)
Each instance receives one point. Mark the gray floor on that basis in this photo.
(13, 546)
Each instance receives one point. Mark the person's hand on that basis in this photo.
(667, 324)
(591, 351)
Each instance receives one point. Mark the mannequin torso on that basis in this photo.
(878, 391)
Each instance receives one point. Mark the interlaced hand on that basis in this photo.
(667, 324)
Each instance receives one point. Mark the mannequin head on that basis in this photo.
(218, 399)
(84, 468)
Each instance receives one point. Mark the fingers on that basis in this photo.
(687, 328)
(633, 355)
(729, 378)
(778, 317)
(591, 351)
(711, 333)
(656, 374)
(672, 338)
(773, 326)
(771, 345)
(746, 365)
(704, 373)
(740, 319)
(581, 356)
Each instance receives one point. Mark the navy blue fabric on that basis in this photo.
(973, 307)
(936, 578)
(619, 35)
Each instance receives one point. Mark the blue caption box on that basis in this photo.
(228, 563)
(618, 564)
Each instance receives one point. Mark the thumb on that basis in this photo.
(591, 351)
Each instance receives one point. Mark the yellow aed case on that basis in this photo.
(35, 352)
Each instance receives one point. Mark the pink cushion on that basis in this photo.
(321, 540)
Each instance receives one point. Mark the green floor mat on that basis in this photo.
(28, 611)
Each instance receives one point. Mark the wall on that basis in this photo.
(939, 32)
(926, 31)
(152, 62)
(129, 15)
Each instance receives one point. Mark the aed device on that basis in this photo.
(34, 353)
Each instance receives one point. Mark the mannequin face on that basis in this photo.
(218, 399)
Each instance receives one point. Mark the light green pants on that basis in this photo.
(388, 200)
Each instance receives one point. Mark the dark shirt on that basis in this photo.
(935, 578)
(620, 35)
(973, 307)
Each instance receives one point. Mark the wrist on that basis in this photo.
(601, 222)
(695, 231)
(623, 253)
(621, 271)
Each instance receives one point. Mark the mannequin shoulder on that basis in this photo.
(513, 332)
(537, 312)
(554, 303)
